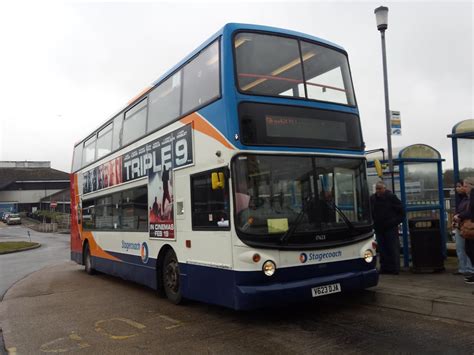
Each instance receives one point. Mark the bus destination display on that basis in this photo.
(306, 128)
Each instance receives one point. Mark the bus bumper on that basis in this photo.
(250, 297)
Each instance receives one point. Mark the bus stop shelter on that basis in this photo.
(418, 182)
(462, 137)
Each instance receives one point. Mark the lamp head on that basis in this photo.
(381, 16)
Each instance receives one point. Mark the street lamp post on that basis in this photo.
(381, 16)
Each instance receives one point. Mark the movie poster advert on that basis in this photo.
(160, 203)
(167, 153)
(105, 175)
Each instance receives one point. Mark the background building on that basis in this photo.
(25, 183)
(59, 201)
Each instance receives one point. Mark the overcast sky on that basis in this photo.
(65, 68)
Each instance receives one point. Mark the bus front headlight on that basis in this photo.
(269, 268)
(368, 256)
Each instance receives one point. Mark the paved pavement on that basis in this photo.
(437, 294)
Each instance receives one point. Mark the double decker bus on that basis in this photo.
(238, 178)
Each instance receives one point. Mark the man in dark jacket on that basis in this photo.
(387, 212)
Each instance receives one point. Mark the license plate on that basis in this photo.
(326, 290)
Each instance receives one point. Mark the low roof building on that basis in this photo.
(24, 183)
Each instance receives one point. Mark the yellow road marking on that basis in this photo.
(54, 345)
(176, 322)
(81, 344)
(99, 328)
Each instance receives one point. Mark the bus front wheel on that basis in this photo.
(170, 276)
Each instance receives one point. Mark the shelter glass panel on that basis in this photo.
(466, 157)
(434, 214)
(421, 184)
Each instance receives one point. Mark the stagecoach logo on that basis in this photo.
(320, 257)
(144, 252)
(303, 258)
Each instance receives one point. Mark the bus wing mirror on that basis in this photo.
(378, 168)
(218, 180)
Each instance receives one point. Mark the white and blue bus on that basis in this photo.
(238, 178)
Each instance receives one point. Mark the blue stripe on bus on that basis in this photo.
(252, 289)
(133, 272)
(247, 289)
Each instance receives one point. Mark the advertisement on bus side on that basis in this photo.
(174, 150)
(160, 203)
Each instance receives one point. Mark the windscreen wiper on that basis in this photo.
(289, 233)
(342, 214)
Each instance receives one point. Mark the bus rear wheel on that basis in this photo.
(170, 277)
(88, 261)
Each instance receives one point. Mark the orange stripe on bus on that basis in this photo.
(76, 242)
(201, 125)
(76, 188)
(96, 250)
(139, 95)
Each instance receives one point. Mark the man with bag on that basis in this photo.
(466, 221)
(387, 212)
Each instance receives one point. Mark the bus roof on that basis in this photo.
(232, 27)
(227, 29)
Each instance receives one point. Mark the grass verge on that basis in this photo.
(10, 247)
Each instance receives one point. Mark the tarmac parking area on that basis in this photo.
(61, 309)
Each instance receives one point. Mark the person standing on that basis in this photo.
(387, 213)
(468, 213)
(165, 178)
(464, 263)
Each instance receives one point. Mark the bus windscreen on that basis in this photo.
(272, 65)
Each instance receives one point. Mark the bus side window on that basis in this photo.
(210, 207)
(88, 214)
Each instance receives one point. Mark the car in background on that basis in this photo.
(5, 215)
(13, 218)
